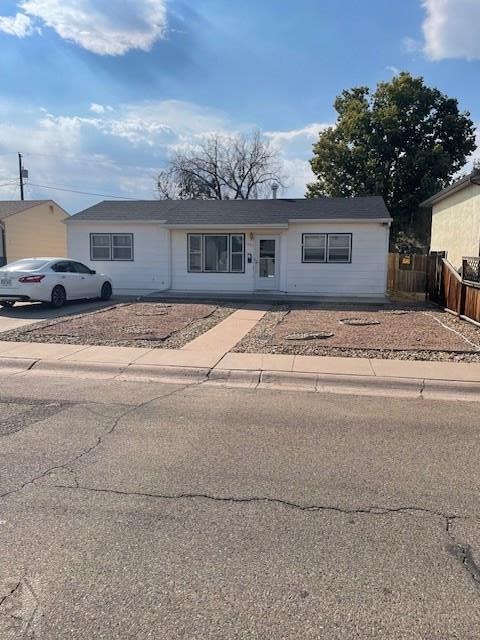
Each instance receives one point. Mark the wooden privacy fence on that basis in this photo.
(407, 273)
(454, 292)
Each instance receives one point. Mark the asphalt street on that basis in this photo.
(142, 510)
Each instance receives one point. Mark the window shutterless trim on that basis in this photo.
(110, 247)
(327, 237)
(237, 253)
(304, 235)
(197, 252)
(349, 261)
(229, 240)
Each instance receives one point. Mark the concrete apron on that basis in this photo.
(424, 388)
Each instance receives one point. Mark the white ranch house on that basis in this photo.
(317, 247)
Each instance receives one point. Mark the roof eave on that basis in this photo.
(338, 220)
(230, 225)
(449, 191)
(111, 221)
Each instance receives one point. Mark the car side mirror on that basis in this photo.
(92, 272)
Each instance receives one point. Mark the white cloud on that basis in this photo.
(97, 108)
(394, 70)
(309, 132)
(295, 149)
(102, 27)
(100, 108)
(19, 25)
(410, 45)
(452, 29)
(119, 152)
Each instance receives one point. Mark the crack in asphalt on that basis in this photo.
(461, 551)
(95, 445)
(12, 591)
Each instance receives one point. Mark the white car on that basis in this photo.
(53, 280)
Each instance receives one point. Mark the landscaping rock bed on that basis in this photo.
(134, 324)
(405, 332)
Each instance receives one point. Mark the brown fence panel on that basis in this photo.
(472, 302)
(460, 296)
(452, 287)
(407, 274)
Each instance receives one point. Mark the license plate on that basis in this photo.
(6, 282)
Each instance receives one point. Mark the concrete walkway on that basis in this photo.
(226, 334)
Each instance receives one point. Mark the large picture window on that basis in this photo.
(216, 253)
(111, 246)
(327, 247)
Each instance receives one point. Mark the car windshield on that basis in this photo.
(25, 265)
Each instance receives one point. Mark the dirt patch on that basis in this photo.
(417, 332)
(137, 324)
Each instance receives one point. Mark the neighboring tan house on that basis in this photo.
(456, 219)
(320, 246)
(30, 228)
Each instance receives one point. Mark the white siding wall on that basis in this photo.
(365, 276)
(149, 270)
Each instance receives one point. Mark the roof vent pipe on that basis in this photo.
(274, 190)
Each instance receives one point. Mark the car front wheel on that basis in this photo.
(106, 293)
(59, 297)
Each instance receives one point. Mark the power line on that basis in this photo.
(9, 184)
(84, 193)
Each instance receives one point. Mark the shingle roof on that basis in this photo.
(215, 212)
(10, 207)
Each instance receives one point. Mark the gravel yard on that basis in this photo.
(406, 332)
(137, 324)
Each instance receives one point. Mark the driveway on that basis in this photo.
(26, 313)
(135, 511)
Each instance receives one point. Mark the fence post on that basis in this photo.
(463, 291)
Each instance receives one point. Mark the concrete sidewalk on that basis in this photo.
(219, 360)
(432, 380)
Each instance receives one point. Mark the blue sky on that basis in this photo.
(97, 93)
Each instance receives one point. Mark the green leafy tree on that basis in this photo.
(404, 141)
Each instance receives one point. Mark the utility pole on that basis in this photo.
(22, 173)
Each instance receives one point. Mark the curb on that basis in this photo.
(451, 389)
(100, 370)
(16, 365)
(427, 389)
(153, 373)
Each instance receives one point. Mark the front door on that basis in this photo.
(266, 262)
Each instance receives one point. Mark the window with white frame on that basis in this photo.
(195, 253)
(339, 247)
(216, 253)
(327, 247)
(237, 253)
(314, 247)
(111, 246)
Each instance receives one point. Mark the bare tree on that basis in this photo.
(239, 167)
